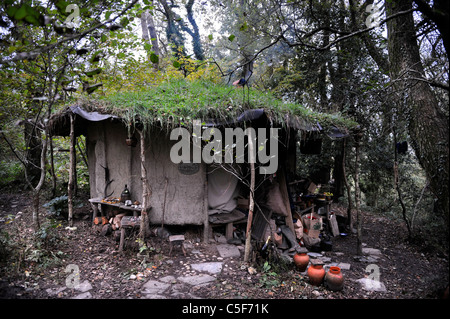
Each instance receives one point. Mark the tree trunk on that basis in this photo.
(244, 43)
(153, 35)
(357, 198)
(33, 152)
(52, 167)
(397, 184)
(149, 33)
(144, 28)
(195, 34)
(37, 189)
(428, 126)
(174, 35)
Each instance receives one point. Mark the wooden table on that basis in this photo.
(95, 202)
(126, 223)
(227, 219)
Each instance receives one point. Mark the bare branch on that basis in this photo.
(347, 36)
(431, 82)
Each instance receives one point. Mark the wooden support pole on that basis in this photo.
(206, 226)
(252, 156)
(72, 170)
(146, 191)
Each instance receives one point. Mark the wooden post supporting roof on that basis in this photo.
(248, 234)
(206, 226)
(146, 190)
(72, 169)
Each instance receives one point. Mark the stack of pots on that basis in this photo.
(333, 278)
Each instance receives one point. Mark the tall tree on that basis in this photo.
(194, 33)
(428, 125)
(174, 33)
(176, 25)
(150, 36)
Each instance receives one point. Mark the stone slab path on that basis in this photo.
(184, 286)
(190, 277)
(204, 268)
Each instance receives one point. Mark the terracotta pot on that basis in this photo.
(316, 273)
(334, 279)
(301, 260)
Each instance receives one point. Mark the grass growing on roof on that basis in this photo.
(178, 102)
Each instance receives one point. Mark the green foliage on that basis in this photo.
(46, 239)
(21, 250)
(5, 245)
(57, 206)
(10, 171)
(269, 279)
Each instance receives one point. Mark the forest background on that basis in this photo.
(382, 63)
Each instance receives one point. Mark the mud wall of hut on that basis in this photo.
(110, 159)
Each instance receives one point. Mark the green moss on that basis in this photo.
(179, 102)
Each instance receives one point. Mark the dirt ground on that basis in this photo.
(407, 271)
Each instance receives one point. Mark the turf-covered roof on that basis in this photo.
(178, 103)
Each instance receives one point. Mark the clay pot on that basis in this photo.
(316, 273)
(301, 260)
(334, 279)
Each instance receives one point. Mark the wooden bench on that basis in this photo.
(227, 219)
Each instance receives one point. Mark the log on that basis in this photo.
(106, 230)
(176, 238)
(116, 223)
(130, 221)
